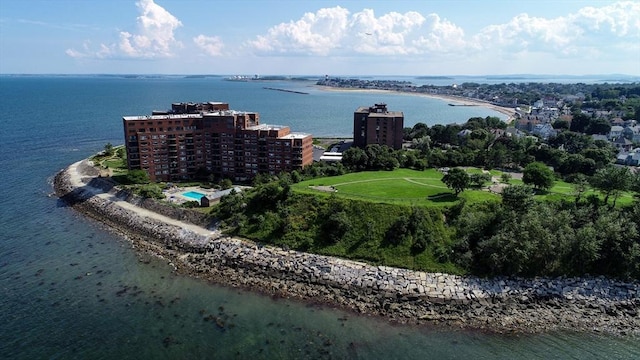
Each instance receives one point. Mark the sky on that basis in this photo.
(317, 37)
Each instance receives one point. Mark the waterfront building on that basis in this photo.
(198, 139)
(377, 125)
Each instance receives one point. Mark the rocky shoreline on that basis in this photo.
(503, 305)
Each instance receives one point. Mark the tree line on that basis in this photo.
(516, 235)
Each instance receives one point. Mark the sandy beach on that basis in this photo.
(450, 99)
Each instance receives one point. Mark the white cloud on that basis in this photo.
(607, 33)
(211, 45)
(336, 32)
(315, 33)
(387, 35)
(441, 36)
(154, 37)
(590, 31)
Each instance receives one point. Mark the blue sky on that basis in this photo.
(295, 37)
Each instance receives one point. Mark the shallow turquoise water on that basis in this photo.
(193, 195)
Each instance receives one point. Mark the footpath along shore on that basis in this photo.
(503, 305)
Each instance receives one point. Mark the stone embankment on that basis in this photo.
(497, 304)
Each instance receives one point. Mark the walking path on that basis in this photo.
(77, 180)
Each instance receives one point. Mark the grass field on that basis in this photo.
(401, 186)
(422, 188)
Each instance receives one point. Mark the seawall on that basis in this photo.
(498, 304)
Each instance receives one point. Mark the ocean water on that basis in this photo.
(73, 289)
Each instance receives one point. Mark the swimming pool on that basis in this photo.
(193, 195)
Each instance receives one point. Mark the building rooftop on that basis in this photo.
(297, 135)
(387, 114)
(266, 127)
(189, 115)
(161, 117)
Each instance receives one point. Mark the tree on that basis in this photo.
(335, 227)
(108, 149)
(598, 126)
(572, 142)
(601, 156)
(505, 178)
(539, 175)
(612, 180)
(422, 144)
(226, 183)
(517, 197)
(561, 124)
(577, 164)
(380, 157)
(580, 186)
(419, 130)
(457, 180)
(580, 122)
(635, 184)
(355, 159)
(479, 179)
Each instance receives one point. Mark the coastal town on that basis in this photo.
(541, 110)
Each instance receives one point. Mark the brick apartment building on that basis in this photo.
(377, 125)
(195, 139)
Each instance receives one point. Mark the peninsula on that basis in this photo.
(500, 304)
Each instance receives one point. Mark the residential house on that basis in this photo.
(545, 131)
(631, 158)
(464, 133)
(527, 123)
(617, 122)
(615, 132)
(622, 143)
(632, 133)
(513, 132)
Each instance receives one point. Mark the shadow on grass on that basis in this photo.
(443, 197)
(541, 192)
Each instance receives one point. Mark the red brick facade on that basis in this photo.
(195, 139)
(377, 125)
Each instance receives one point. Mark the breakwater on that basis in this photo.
(498, 304)
(286, 90)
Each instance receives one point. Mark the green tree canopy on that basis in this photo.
(108, 149)
(538, 175)
(355, 159)
(479, 179)
(517, 197)
(612, 180)
(457, 180)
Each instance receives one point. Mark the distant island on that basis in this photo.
(434, 77)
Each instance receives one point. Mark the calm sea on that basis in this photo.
(71, 289)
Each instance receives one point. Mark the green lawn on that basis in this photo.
(401, 186)
(562, 190)
(423, 188)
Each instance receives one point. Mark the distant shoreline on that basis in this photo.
(458, 100)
